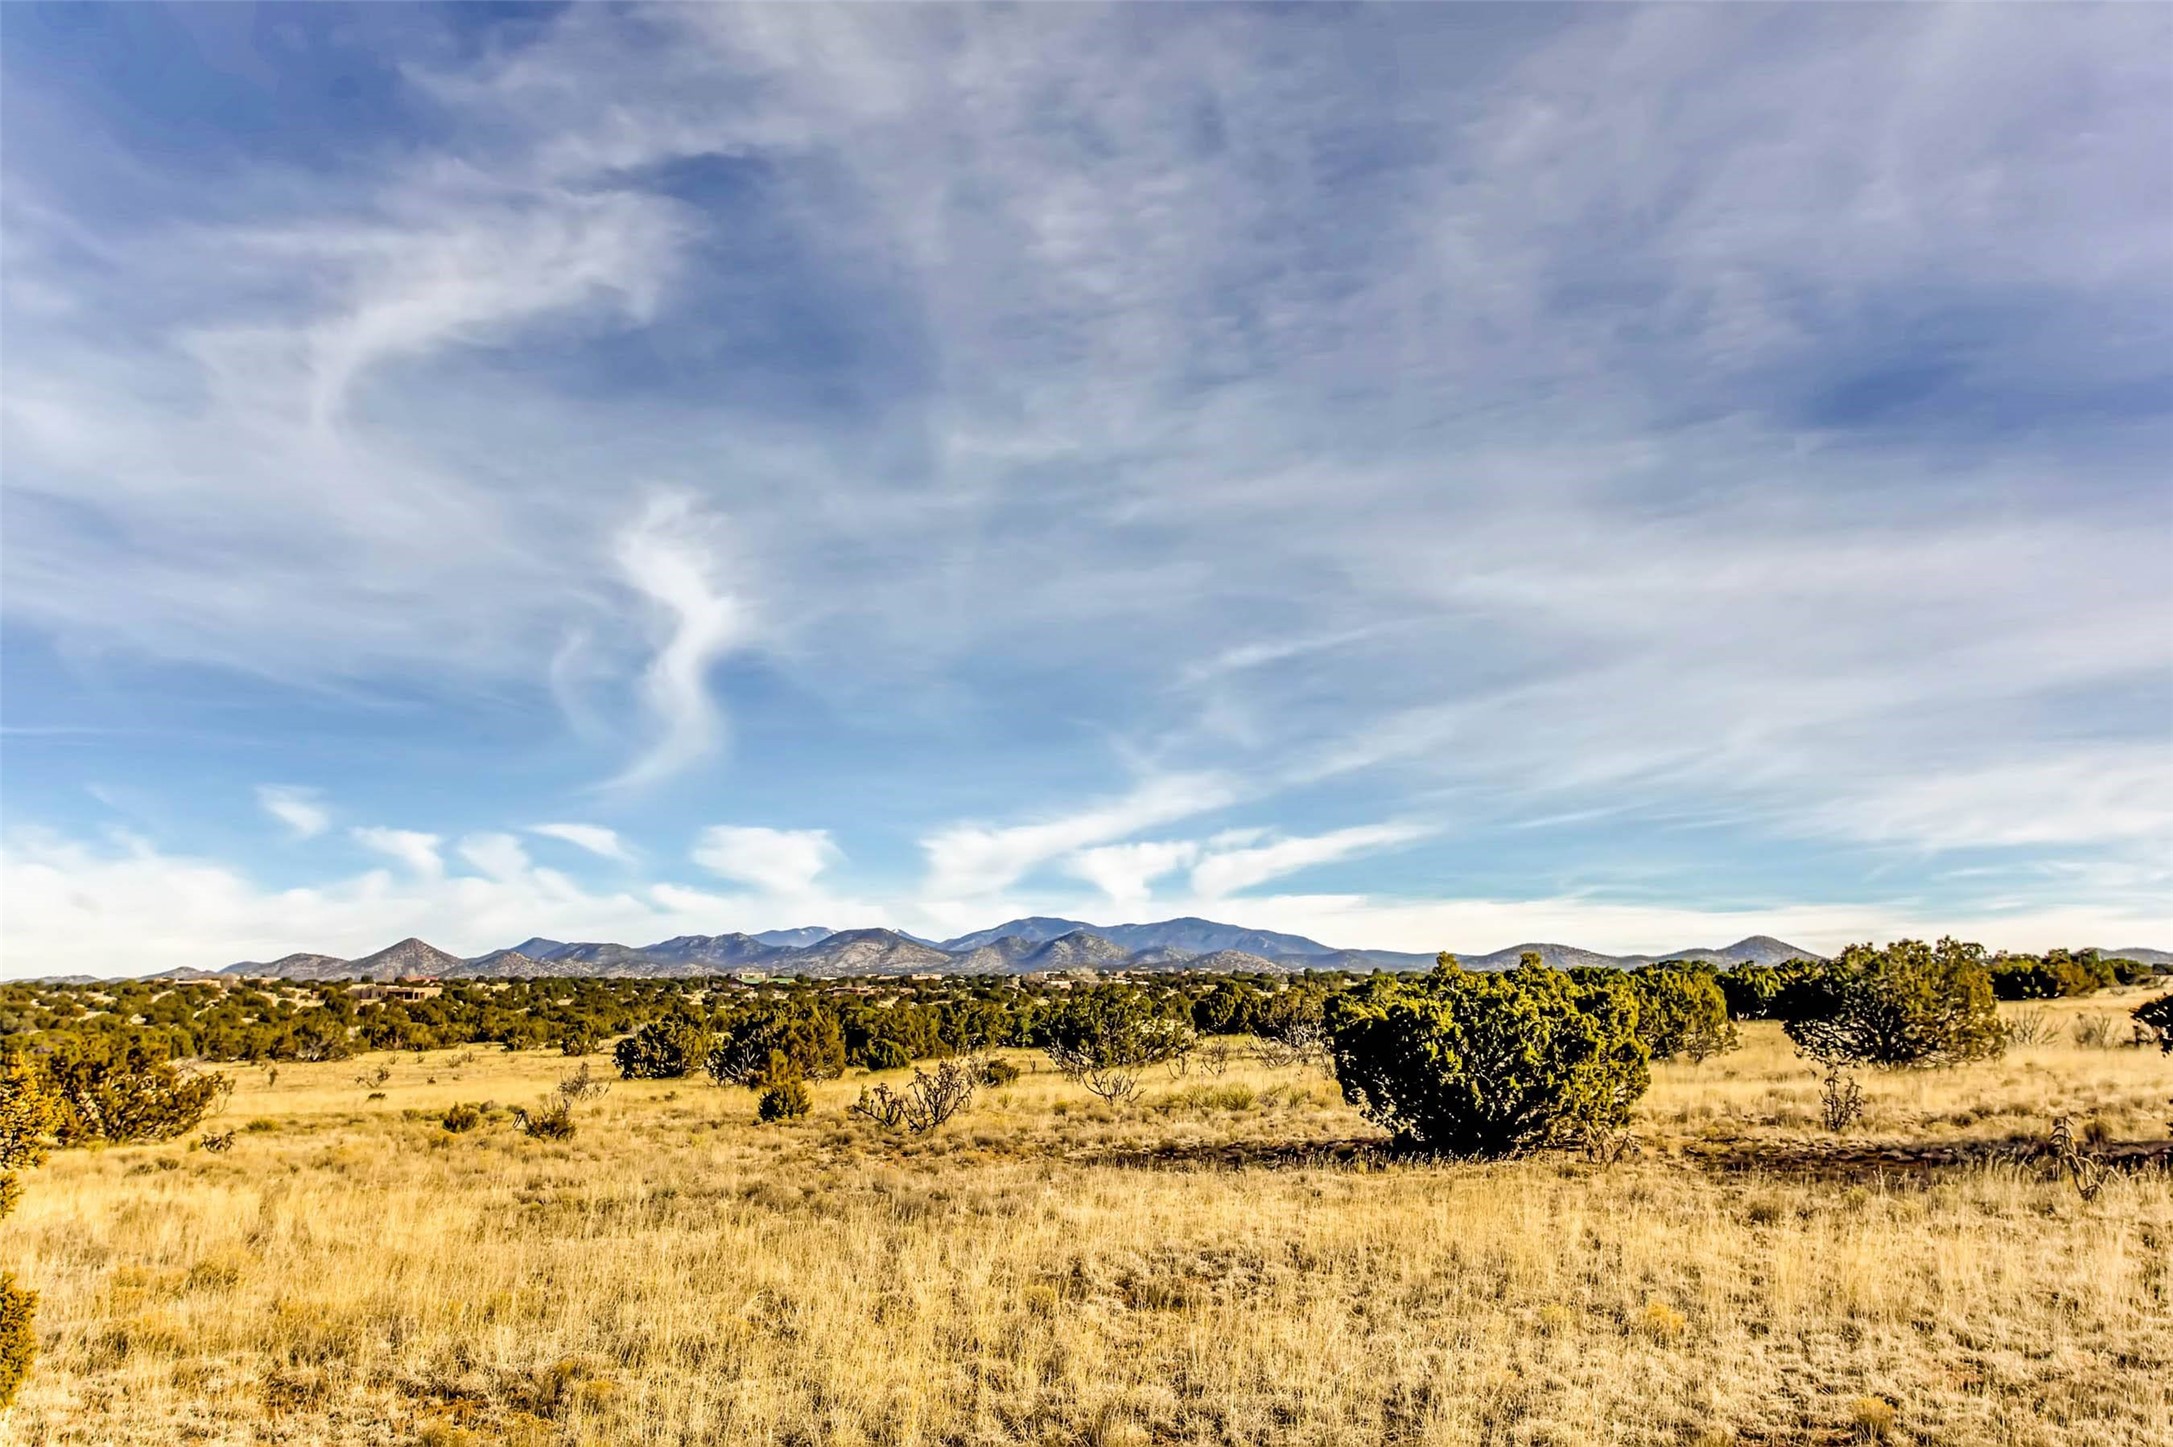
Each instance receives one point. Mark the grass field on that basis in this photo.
(1219, 1263)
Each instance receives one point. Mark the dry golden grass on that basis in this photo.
(1048, 1271)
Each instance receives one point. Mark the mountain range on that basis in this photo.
(1021, 946)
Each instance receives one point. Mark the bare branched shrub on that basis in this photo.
(1841, 1103)
(1297, 1045)
(2030, 1027)
(217, 1143)
(1214, 1057)
(935, 1096)
(2096, 1032)
(2077, 1163)
(1606, 1146)
(931, 1098)
(581, 1086)
(880, 1104)
(372, 1079)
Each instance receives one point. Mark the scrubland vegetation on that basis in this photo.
(1532, 1208)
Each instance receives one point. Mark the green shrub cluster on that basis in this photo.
(1475, 1064)
(1681, 1012)
(2157, 1015)
(1103, 1037)
(116, 1090)
(29, 1115)
(2059, 973)
(785, 1100)
(665, 1049)
(1908, 1005)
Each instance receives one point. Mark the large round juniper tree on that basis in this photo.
(1477, 1064)
(1908, 1005)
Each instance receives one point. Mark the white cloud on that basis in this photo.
(975, 859)
(499, 856)
(1126, 872)
(595, 838)
(72, 908)
(1236, 869)
(128, 908)
(776, 861)
(672, 555)
(418, 851)
(1482, 926)
(296, 808)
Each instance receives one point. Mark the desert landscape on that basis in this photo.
(1230, 1258)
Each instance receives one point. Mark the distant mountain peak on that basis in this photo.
(793, 939)
(1031, 943)
(410, 956)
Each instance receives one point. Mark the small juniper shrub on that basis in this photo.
(30, 1112)
(2156, 1016)
(786, 1100)
(121, 1091)
(884, 1054)
(462, 1117)
(998, 1073)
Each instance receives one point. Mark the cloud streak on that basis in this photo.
(296, 808)
(784, 862)
(672, 557)
(595, 838)
(966, 860)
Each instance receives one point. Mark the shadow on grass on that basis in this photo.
(1359, 1154)
(1837, 1162)
(1846, 1161)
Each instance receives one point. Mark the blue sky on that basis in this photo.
(1422, 476)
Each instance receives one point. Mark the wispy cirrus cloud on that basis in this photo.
(965, 860)
(672, 555)
(411, 847)
(595, 838)
(1230, 870)
(297, 808)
